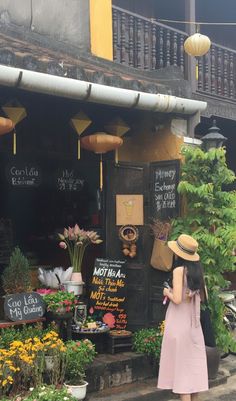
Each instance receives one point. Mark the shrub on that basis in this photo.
(16, 276)
(79, 354)
(148, 341)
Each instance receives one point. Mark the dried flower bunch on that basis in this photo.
(160, 229)
(76, 240)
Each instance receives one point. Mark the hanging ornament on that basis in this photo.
(16, 113)
(117, 127)
(100, 143)
(80, 122)
(6, 125)
(197, 45)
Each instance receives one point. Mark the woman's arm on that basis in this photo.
(175, 295)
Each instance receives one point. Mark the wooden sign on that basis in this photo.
(108, 292)
(164, 196)
(23, 175)
(67, 179)
(129, 210)
(24, 306)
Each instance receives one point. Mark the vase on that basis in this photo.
(78, 391)
(73, 286)
(49, 362)
(77, 277)
(213, 361)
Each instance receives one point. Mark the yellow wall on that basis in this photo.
(147, 146)
(101, 28)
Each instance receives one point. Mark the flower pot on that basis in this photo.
(49, 362)
(78, 391)
(77, 277)
(73, 286)
(213, 361)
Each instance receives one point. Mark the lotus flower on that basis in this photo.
(76, 241)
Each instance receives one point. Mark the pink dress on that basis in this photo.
(183, 365)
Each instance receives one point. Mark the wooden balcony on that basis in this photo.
(149, 45)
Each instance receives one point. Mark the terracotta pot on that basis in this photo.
(213, 361)
(77, 277)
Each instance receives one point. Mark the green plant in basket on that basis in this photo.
(148, 341)
(60, 302)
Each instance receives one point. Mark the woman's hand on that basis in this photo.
(166, 292)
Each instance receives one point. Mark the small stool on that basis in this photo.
(119, 341)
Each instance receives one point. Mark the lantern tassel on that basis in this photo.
(116, 156)
(14, 143)
(101, 173)
(196, 70)
(78, 150)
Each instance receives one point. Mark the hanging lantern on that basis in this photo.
(117, 127)
(16, 113)
(100, 143)
(6, 125)
(197, 45)
(80, 122)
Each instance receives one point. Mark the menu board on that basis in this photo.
(164, 195)
(23, 175)
(67, 179)
(108, 292)
(24, 306)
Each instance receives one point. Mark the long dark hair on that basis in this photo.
(195, 279)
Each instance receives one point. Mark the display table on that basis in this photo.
(99, 338)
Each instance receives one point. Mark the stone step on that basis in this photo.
(110, 371)
(144, 390)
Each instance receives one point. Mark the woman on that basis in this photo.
(183, 365)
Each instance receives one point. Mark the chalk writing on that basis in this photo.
(25, 306)
(67, 180)
(23, 175)
(108, 291)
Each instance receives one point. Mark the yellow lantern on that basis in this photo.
(6, 125)
(80, 122)
(117, 127)
(100, 143)
(197, 45)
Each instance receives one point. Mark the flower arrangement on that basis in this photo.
(148, 341)
(76, 240)
(79, 354)
(23, 360)
(46, 393)
(60, 302)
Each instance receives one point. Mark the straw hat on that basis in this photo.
(186, 247)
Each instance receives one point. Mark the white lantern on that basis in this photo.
(197, 45)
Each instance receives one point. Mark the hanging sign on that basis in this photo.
(108, 293)
(23, 175)
(67, 179)
(24, 306)
(164, 195)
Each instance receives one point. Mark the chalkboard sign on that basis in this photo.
(67, 179)
(108, 292)
(24, 306)
(23, 175)
(164, 196)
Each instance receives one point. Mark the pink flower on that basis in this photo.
(109, 319)
(91, 310)
(62, 245)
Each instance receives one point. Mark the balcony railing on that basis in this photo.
(149, 45)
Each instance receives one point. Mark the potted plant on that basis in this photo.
(60, 303)
(45, 393)
(148, 341)
(79, 354)
(76, 240)
(16, 276)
